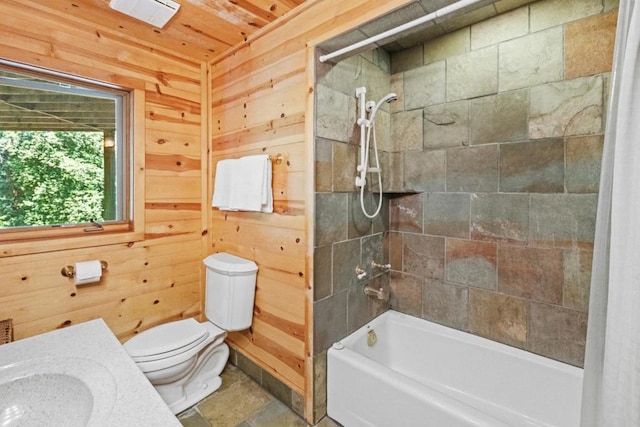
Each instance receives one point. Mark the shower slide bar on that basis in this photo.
(399, 29)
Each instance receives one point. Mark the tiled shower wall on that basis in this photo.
(499, 134)
(491, 160)
(344, 237)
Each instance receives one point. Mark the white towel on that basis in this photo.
(252, 184)
(224, 183)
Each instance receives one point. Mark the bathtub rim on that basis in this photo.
(417, 322)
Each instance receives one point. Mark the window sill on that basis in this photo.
(52, 244)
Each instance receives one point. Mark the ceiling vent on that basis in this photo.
(154, 12)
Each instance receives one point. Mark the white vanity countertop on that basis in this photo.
(136, 403)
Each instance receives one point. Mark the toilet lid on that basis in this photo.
(165, 338)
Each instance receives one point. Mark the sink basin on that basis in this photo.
(56, 391)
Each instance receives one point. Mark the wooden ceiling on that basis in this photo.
(202, 29)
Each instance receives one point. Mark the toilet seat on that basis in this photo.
(171, 343)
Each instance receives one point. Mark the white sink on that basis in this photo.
(76, 376)
(70, 391)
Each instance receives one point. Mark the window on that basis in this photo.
(65, 155)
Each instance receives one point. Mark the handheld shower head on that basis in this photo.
(373, 109)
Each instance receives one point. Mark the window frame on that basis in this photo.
(36, 239)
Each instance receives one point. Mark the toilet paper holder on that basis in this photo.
(70, 270)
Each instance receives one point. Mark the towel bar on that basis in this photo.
(277, 158)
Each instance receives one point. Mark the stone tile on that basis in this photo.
(193, 418)
(406, 293)
(479, 14)
(233, 357)
(276, 414)
(235, 404)
(577, 280)
(445, 303)
(382, 129)
(345, 159)
(405, 213)
(423, 86)
(324, 165)
(461, 84)
(247, 366)
(322, 272)
(500, 217)
(363, 308)
(473, 169)
(407, 59)
(297, 403)
(611, 5)
(471, 263)
(331, 218)
(417, 35)
(230, 375)
(446, 125)
(571, 107)
(423, 255)
(392, 20)
(500, 118)
(451, 44)
(327, 422)
(394, 241)
(334, 117)
(359, 225)
(501, 28)
(584, 158)
(588, 45)
(542, 63)
(392, 172)
(277, 388)
(532, 167)
(503, 6)
(498, 317)
(396, 85)
(372, 249)
(343, 76)
(320, 382)
(377, 83)
(550, 13)
(406, 131)
(424, 171)
(346, 257)
(606, 78)
(558, 333)
(380, 223)
(370, 203)
(531, 273)
(382, 59)
(329, 321)
(563, 220)
(447, 214)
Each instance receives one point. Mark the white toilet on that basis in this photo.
(184, 359)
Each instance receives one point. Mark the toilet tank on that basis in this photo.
(230, 292)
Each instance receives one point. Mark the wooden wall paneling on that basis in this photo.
(248, 115)
(206, 184)
(151, 281)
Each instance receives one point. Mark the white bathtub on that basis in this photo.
(422, 374)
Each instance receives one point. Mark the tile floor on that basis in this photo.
(241, 402)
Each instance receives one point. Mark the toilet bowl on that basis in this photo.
(183, 359)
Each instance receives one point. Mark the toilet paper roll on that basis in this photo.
(87, 272)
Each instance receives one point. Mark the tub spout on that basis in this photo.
(380, 294)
